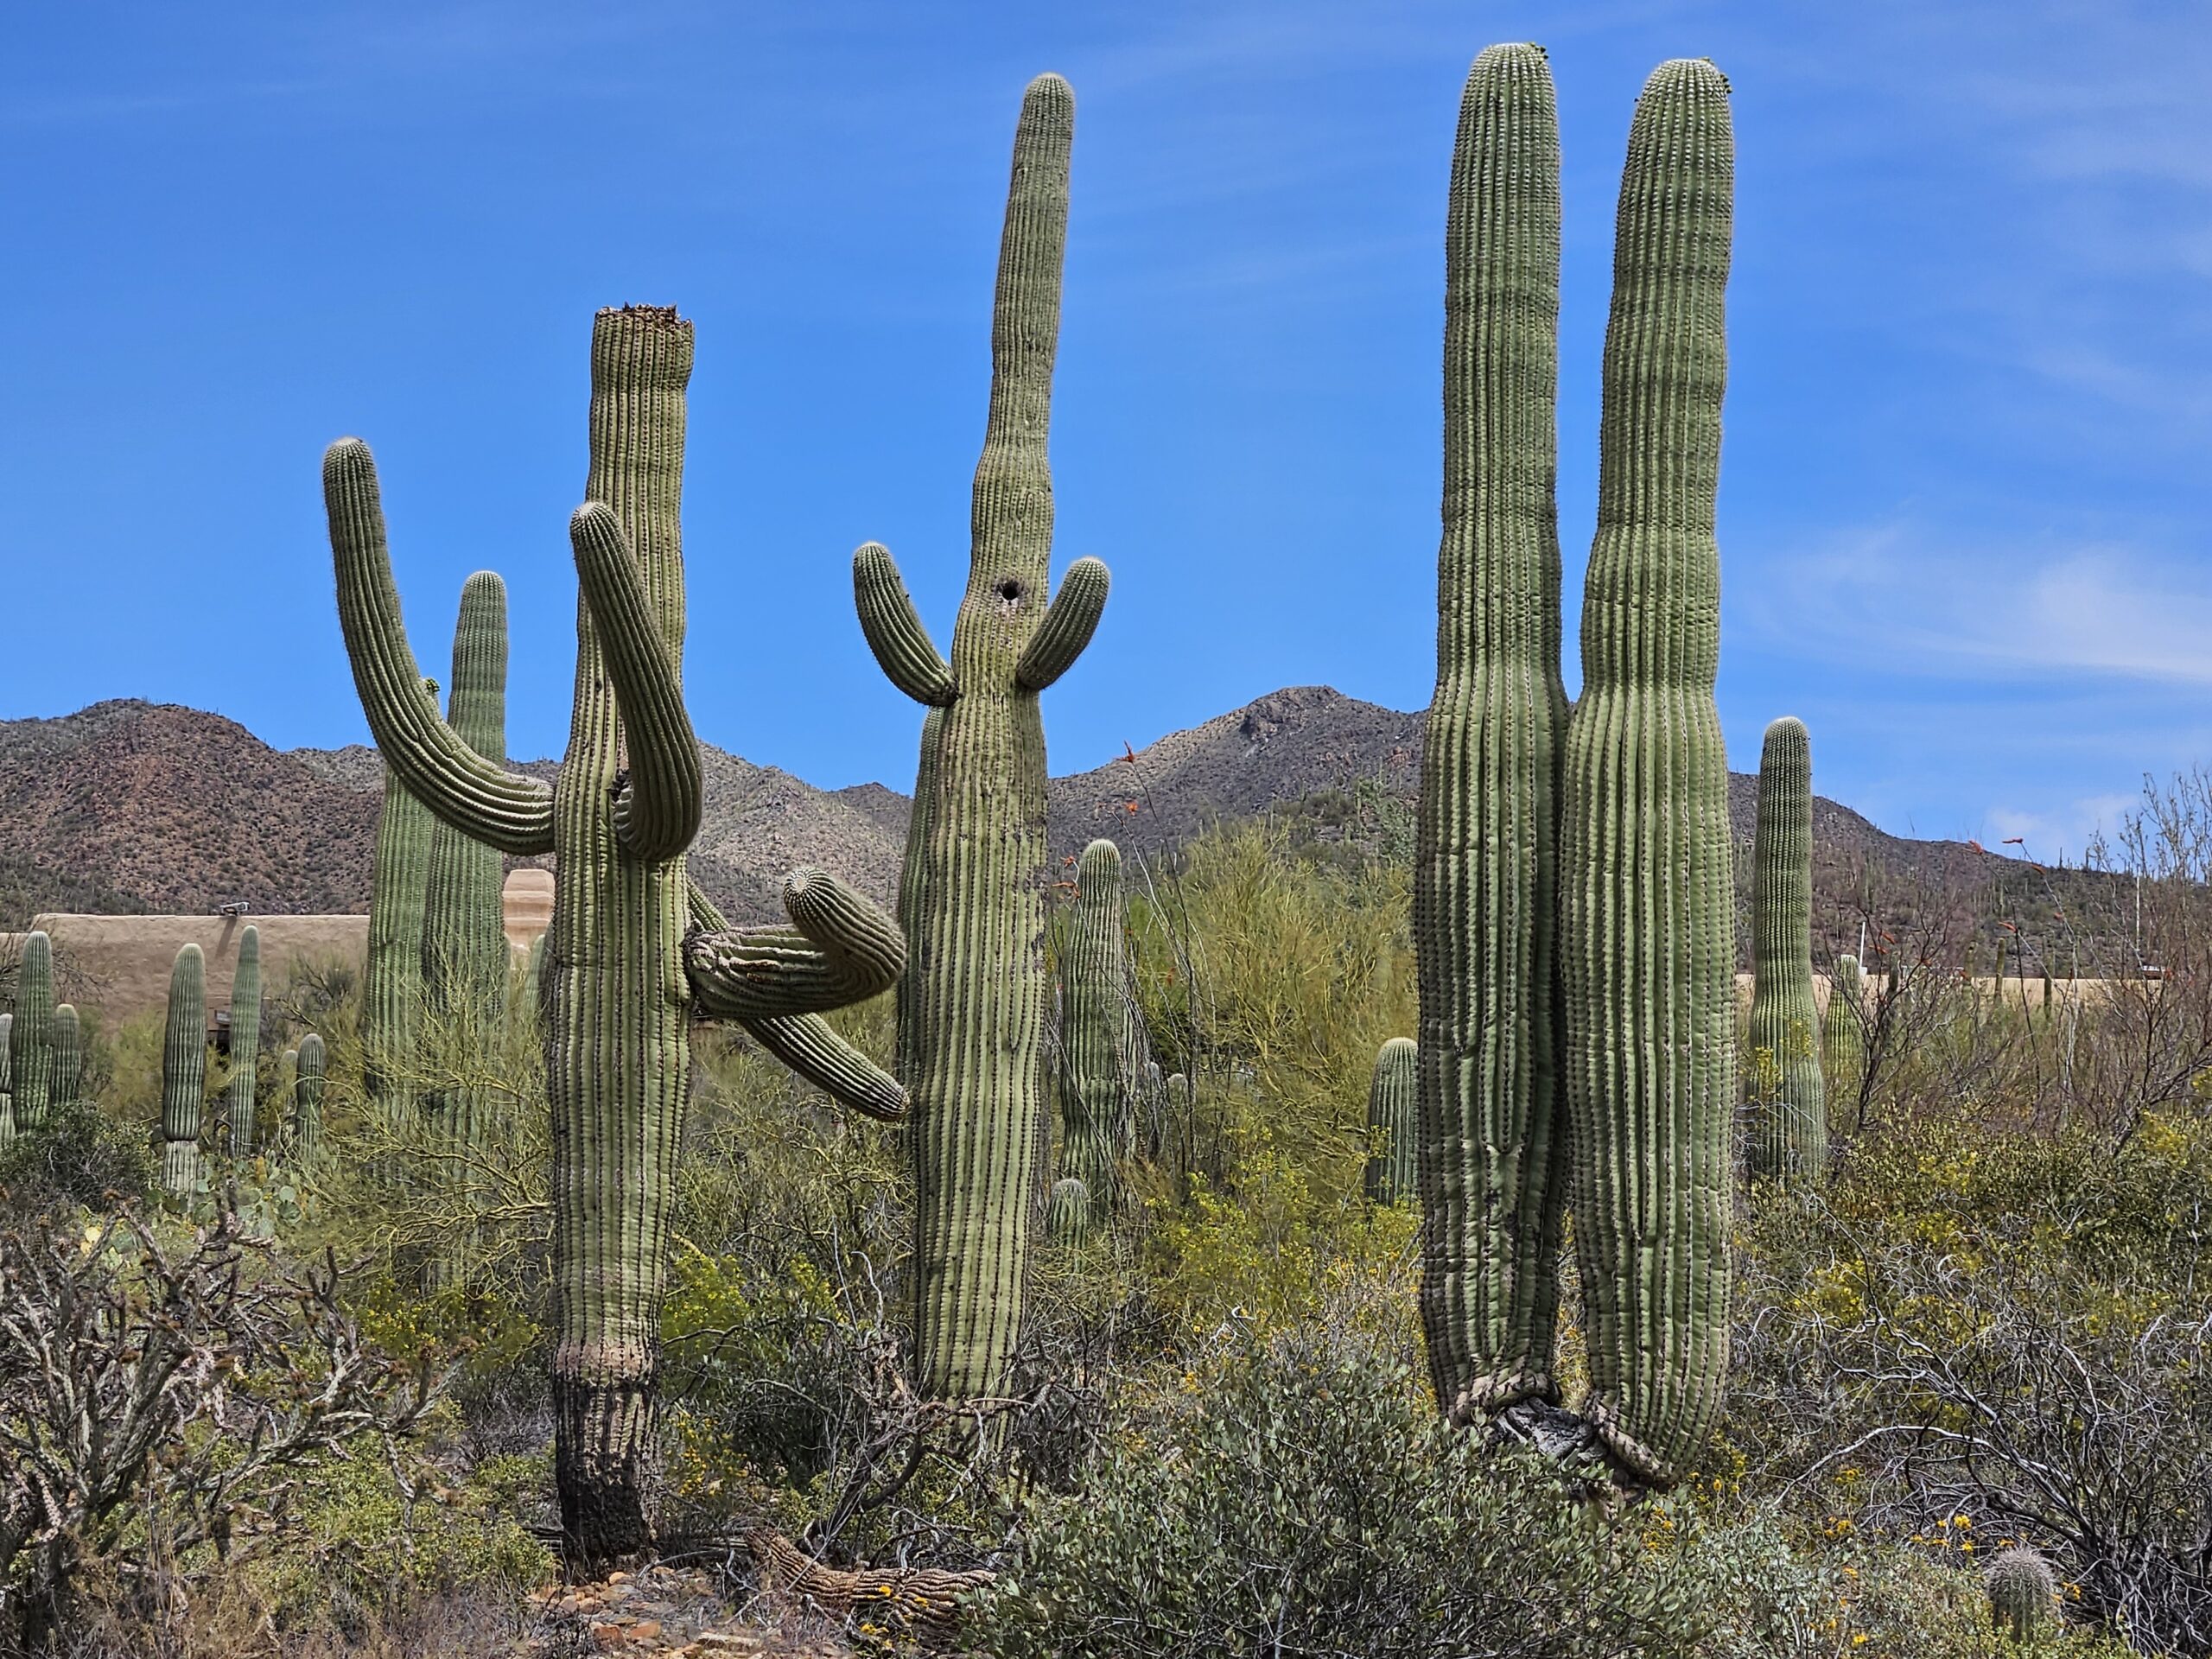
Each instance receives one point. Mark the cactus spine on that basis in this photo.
(68, 1056)
(2023, 1592)
(1485, 891)
(307, 1096)
(1393, 1119)
(184, 1073)
(1097, 1119)
(620, 977)
(392, 984)
(1647, 938)
(245, 1041)
(30, 1041)
(1789, 1119)
(975, 1007)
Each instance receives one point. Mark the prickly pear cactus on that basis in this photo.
(1393, 1109)
(973, 1012)
(30, 1041)
(1647, 935)
(1485, 863)
(184, 1073)
(2022, 1594)
(245, 1042)
(1789, 1097)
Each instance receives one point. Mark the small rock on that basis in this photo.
(618, 1577)
(644, 1631)
(608, 1638)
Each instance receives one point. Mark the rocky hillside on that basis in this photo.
(134, 806)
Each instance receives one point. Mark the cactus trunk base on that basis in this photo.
(607, 1464)
(181, 1167)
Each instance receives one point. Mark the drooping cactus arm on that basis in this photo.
(841, 949)
(1069, 620)
(895, 633)
(498, 807)
(657, 815)
(809, 1045)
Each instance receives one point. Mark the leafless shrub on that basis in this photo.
(162, 1403)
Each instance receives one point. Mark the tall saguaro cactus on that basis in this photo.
(391, 982)
(975, 1004)
(1096, 1117)
(621, 977)
(307, 1095)
(7, 1079)
(30, 1040)
(1648, 937)
(68, 1055)
(245, 1041)
(1392, 1115)
(1789, 1115)
(184, 1072)
(464, 944)
(1486, 880)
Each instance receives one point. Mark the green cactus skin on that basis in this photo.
(30, 1041)
(7, 1076)
(912, 906)
(1393, 1118)
(617, 998)
(974, 1012)
(68, 1055)
(245, 1041)
(307, 1096)
(1067, 1211)
(2023, 1592)
(287, 1084)
(1485, 895)
(1647, 935)
(1098, 1121)
(1842, 1034)
(1790, 1121)
(464, 942)
(184, 1073)
(392, 983)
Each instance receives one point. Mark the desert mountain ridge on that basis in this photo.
(132, 806)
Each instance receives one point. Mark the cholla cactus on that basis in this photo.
(973, 896)
(1646, 864)
(245, 1042)
(184, 1073)
(30, 1041)
(2023, 1592)
(1393, 1106)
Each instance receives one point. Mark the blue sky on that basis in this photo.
(1968, 472)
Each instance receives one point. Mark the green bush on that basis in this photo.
(1298, 1494)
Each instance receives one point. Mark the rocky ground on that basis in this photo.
(691, 1612)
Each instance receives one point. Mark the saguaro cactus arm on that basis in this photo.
(1069, 620)
(894, 630)
(499, 808)
(657, 812)
(807, 1043)
(840, 950)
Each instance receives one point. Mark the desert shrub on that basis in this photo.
(163, 1397)
(79, 1156)
(1296, 1492)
